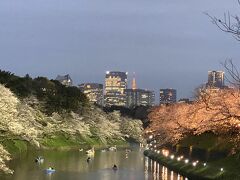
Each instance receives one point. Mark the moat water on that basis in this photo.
(72, 165)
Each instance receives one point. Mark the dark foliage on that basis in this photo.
(56, 97)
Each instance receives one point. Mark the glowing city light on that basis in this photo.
(172, 156)
(221, 169)
(194, 164)
(186, 161)
(204, 164)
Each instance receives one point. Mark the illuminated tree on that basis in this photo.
(215, 111)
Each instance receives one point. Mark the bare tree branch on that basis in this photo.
(229, 23)
(233, 73)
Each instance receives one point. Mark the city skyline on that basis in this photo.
(118, 90)
(131, 84)
(132, 92)
(71, 37)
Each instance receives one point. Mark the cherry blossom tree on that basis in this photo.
(214, 111)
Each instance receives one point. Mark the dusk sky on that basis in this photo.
(168, 43)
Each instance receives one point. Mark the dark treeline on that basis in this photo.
(55, 96)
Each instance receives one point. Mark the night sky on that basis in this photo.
(168, 43)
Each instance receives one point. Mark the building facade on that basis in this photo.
(215, 79)
(94, 92)
(185, 100)
(139, 97)
(115, 86)
(65, 80)
(168, 96)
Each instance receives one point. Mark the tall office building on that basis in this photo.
(93, 91)
(139, 97)
(215, 79)
(65, 80)
(168, 96)
(115, 86)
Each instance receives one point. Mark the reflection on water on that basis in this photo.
(159, 172)
(73, 166)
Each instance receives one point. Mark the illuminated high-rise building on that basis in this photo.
(115, 86)
(168, 96)
(139, 97)
(93, 91)
(215, 79)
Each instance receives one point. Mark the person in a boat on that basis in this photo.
(38, 159)
(115, 167)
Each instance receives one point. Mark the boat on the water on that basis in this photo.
(115, 168)
(88, 160)
(39, 159)
(114, 148)
(103, 150)
(128, 150)
(90, 152)
(50, 170)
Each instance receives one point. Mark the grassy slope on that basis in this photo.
(15, 146)
(63, 141)
(59, 141)
(208, 141)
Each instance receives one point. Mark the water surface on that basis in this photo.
(72, 165)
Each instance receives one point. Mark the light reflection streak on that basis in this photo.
(151, 167)
(172, 175)
(154, 170)
(160, 172)
(163, 172)
(166, 174)
(146, 167)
